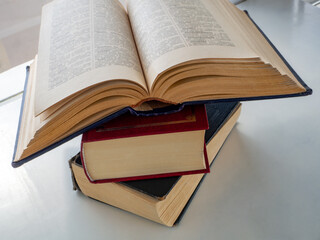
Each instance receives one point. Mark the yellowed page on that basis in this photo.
(83, 43)
(256, 40)
(169, 32)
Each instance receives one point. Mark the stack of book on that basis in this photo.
(100, 62)
(153, 175)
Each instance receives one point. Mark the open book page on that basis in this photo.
(169, 32)
(83, 43)
(255, 39)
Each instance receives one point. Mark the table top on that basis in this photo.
(264, 184)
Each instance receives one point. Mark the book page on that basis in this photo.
(169, 32)
(82, 43)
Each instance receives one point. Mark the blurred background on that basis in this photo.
(19, 31)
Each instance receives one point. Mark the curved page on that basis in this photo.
(169, 32)
(83, 43)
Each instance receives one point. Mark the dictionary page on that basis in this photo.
(170, 32)
(83, 43)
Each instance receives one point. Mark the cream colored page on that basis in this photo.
(169, 32)
(83, 42)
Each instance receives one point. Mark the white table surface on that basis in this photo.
(265, 183)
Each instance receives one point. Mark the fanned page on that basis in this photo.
(203, 49)
(170, 32)
(83, 43)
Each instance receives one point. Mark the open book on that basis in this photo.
(97, 57)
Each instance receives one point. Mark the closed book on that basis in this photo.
(134, 147)
(163, 200)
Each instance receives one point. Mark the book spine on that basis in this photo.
(20, 115)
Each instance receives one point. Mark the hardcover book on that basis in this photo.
(163, 200)
(98, 59)
(139, 147)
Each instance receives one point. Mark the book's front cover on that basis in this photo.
(190, 118)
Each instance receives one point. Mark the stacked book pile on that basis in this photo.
(153, 86)
(152, 166)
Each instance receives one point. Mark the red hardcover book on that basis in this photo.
(132, 147)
